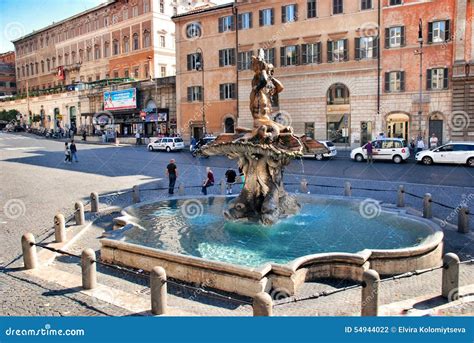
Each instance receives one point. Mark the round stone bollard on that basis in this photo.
(59, 228)
(304, 186)
(427, 208)
(450, 286)
(30, 259)
(401, 196)
(94, 202)
(262, 305)
(463, 220)
(79, 213)
(347, 189)
(89, 269)
(159, 291)
(370, 293)
(181, 189)
(136, 194)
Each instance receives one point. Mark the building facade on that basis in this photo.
(350, 68)
(7, 75)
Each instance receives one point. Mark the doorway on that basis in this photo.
(436, 127)
(398, 125)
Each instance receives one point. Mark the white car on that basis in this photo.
(168, 143)
(394, 149)
(332, 151)
(455, 152)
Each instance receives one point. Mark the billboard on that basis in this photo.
(120, 100)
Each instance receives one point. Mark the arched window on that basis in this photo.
(81, 55)
(31, 68)
(229, 125)
(89, 54)
(54, 62)
(27, 70)
(126, 44)
(60, 60)
(36, 69)
(146, 39)
(48, 63)
(66, 58)
(338, 94)
(136, 42)
(18, 72)
(23, 71)
(42, 67)
(106, 49)
(96, 52)
(73, 58)
(116, 46)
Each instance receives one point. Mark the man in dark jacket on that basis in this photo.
(73, 151)
(172, 172)
(230, 176)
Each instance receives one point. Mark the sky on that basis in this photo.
(21, 17)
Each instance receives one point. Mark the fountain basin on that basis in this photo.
(331, 237)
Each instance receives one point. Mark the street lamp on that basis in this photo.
(200, 66)
(420, 53)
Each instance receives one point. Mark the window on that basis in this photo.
(227, 91)
(146, 39)
(53, 62)
(311, 9)
(337, 6)
(162, 6)
(162, 41)
(226, 57)
(96, 52)
(269, 55)
(437, 78)
(81, 55)
(126, 73)
(89, 54)
(194, 61)
(244, 21)
(136, 72)
(395, 37)
(266, 17)
(163, 71)
(147, 71)
(106, 49)
(226, 24)
(23, 70)
(244, 60)
(395, 2)
(395, 81)
(97, 77)
(125, 14)
(27, 70)
(36, 69)
(195, 93)
(73, 58)
(175, 10)
(106, 21)
(338, 50)
(116, 74)
(135, 11)
(193, 30)
(289, 55)
(146, 6)
(365, 48)
(289, 13)
(48, 63)
(439, 31)
(60, 60)
(126, 44)
(311, 53)
(366, 5)
(338, 94)
(136, 42)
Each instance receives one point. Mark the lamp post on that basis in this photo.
(200, 66)
(420, 53)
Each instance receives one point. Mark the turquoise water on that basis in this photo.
(197, 228)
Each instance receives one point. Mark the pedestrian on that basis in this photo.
(433, 141)
(209, 181)
(370, 150)
(420, 145)
(67, 153)
(137, 138)
(73, 148)
(230, 176)
(172, 172)
(412, 146)
(84, 135)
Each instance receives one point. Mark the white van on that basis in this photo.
(394, 149)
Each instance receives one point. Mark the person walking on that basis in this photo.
(230, 176)
(84, 134)
(420, 145)
(73, 148)
(137, 137)
(370, 151)
(67, 153)
(433, 141)
(172, 172)
(209, 181)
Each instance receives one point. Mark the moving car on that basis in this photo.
(202, 142)
(168, 143)
(454, 152)
(394, 149)
(332, 151)
(317, 149)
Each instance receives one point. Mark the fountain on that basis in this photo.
(266, 238)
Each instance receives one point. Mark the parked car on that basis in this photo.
(332, 151)
(394, 149)
(202, 142)
(168, 143)
(313, 148)
(454, 152)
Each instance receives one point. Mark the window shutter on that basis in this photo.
(190, 94)
(221, 92)
(376, 47)
(357, 48)
(250, 19)
(329, 51)
(402, 81)
(221, 58)
(200, 91)
(428, 79)
(239, 21)
(387, 82)
(402, 36)
(283, 14)
(430, 32)
(447, 32)
(298, 61)
(189, 62)
(232, 23)
(260, 18)
(232, 56)
(346, 50)
(304, 53)
(221, 24)
(320, 49)
(240, 60)
(387, 38)
(445, 78)
(232, 91)
(273, 17)
(296, 13)
(282, 57)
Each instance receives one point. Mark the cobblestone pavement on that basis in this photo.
(36, 184)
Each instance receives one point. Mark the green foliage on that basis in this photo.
(8, 115)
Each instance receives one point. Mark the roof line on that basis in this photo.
(207, 9)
